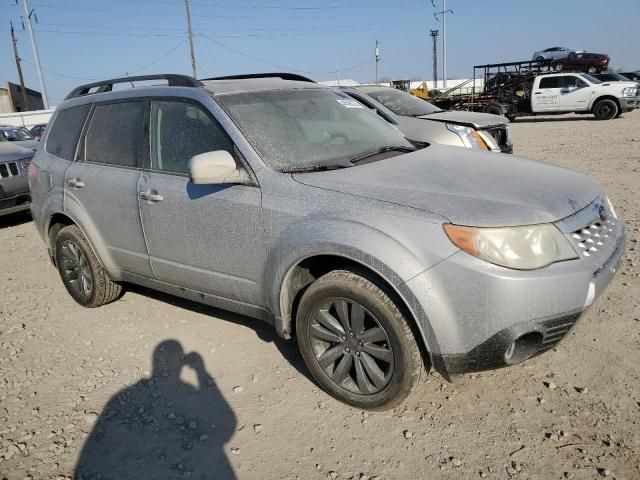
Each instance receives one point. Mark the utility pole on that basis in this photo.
(36, 57)
(377, 60)
(193, 55)
(19, 67)
(444, 13)
(434, 37)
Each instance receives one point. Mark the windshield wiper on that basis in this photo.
(388, 148)
(318, 168)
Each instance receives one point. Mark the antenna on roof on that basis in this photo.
(130, 81)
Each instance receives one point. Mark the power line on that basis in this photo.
(217, 15)
(286, 7)
(354, 29)
(281, 67)
(329, 28)
(73, 77)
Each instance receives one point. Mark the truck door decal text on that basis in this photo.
(548, 97)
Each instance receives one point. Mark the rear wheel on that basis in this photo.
(82, 275)
(605, 109)
(356, 342)
(494, 110)
(558, 66)
(592, 69)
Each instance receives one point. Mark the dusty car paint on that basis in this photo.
(386, 216)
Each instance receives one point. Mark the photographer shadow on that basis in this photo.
(162, 427)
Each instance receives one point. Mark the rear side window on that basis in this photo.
(65, 132)
(114, 134)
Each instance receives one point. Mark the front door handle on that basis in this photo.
(75, 183)
(149, 196)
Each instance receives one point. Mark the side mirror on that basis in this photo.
(215, 167)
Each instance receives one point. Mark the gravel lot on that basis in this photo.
(77, 386)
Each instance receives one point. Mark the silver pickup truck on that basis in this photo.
(14, 186)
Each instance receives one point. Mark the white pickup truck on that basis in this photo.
(581, 93)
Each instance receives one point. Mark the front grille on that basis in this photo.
(13, 169)
(555, 330)
(592, 239)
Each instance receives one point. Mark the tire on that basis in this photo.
(558, 67)
(605, 109)
(325, 316)
(540, 59)
(494, 110)
(81, 273)
(592, 69)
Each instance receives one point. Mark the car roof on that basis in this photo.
(244, 85)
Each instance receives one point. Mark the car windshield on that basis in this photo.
(591, 78)
(17, 134)
(402, 103)
(309, 129)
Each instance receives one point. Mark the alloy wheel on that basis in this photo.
(75, 269)
(351, 346)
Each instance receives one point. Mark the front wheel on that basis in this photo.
(356, 342)
(605, 109)
(558, 67)
(82, 275)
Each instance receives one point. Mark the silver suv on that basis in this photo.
(291, 202)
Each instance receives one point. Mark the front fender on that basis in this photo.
(395, 258)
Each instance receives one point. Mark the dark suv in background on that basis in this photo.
(583, 61)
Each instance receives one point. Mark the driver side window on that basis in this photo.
(180, 130)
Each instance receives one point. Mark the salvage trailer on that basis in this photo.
(506, 89)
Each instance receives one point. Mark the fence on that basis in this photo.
(26, 119)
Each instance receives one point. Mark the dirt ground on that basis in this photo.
(155, 387)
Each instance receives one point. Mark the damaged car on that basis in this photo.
(421, 121)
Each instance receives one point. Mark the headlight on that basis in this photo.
(522, 248)
(469, 136)
(629, 91)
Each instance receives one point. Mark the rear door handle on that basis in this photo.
(151, 197)
(75, 183)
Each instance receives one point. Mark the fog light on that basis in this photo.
(522, 348)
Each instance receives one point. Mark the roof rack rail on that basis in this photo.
(175, 80)
(282, 75)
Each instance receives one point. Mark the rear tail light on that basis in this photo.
(32, 174)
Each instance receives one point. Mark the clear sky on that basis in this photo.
(80, 40)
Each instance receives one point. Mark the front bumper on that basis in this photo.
(476, 310)
(19, 203)
(629, 103)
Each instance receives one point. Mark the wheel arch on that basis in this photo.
(606, 97)
(307, 269)
(56, 222)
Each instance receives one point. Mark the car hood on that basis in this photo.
(30, 144)
(619, 83)
(471, 119)
(467, 188)
(10, 152)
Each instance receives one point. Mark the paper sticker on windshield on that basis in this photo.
(349, 103)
